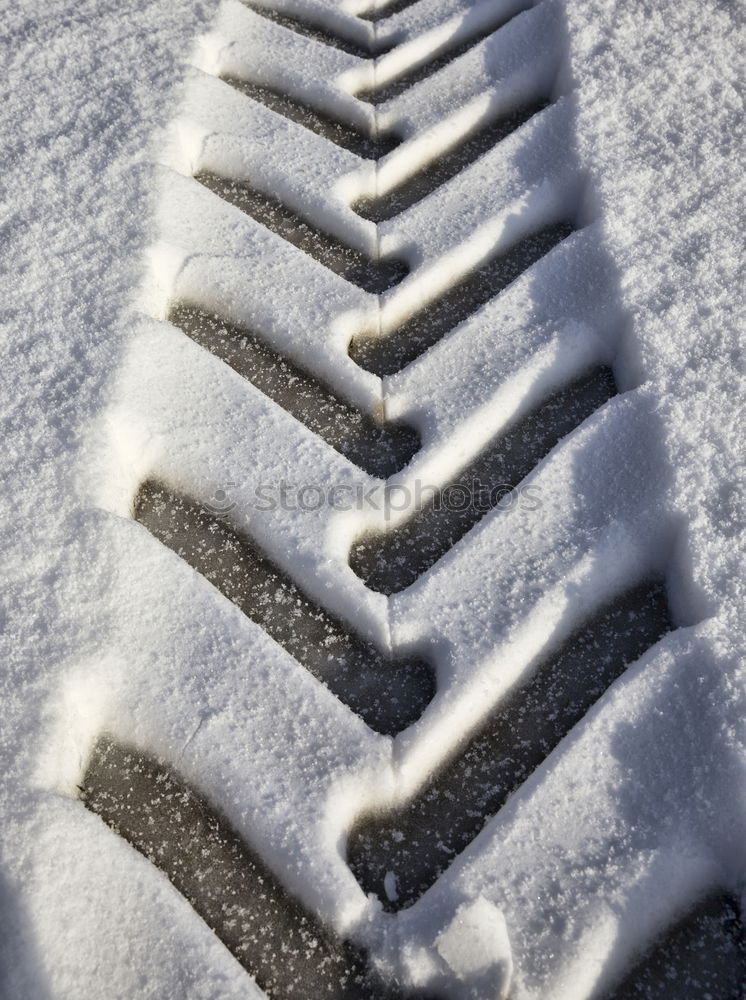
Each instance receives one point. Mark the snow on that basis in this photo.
(475, 941)
(389, 884)
(107, 109)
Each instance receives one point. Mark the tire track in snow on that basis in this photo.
(389, 694)
(400, 854)
(475, 25)
(381, 448)
(317, 32)
(452, 161)
(392, 561)
(126, 794)
(286, 949)
(375, 276)
(344, 134)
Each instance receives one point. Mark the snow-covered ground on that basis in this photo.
(107, 109)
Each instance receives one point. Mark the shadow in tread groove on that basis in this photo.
(375, 276)
(379, 94)
(342, 134)
(385, 92)
(419, 840)
(392, 561)
(388, 694)
(317, 33)
(388, 354)
(437, 173)
(286, 949)
(380, 449)
(380, 11)
(702, 956)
